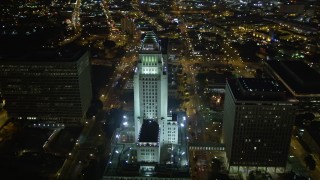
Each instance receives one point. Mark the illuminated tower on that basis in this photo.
(151, 101)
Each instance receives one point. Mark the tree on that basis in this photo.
(309, 116)
(299, 120)
(303, 119)
(216, 165)
(292, 175)
(310, 162)
(109, 44)
(95, 106)
(259, 73)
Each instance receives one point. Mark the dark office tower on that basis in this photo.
(300, 80)
(257, 124)
(47, 87)
(317, 9)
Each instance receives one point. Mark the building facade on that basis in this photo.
(3, 117)
(257, 123)
(47, 87)
(151, 101)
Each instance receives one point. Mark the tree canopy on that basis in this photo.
(310, 162)
(109, 44)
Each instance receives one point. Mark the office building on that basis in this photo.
(257, 124)
(300, 80)
(153, 127)
(47, 87)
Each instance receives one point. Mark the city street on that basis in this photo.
(300, 153)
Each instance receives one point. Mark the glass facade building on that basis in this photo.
(47, 87)
(257, 123)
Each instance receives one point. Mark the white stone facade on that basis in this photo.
(151, 97)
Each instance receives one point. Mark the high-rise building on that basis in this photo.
(47, 87)
(153, 127)
(160, 142)
(257, 123)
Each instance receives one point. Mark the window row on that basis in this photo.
(149, 82)
(153, 97)
(149, 86)
(149, 79)
(149, 93)
(147, 150)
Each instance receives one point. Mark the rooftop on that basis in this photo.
(300, 77)
(256, 89)
(150, 42)
(149, 131)
(259, 85)
(68, 53)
